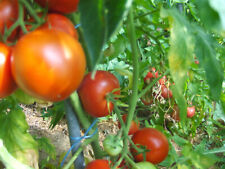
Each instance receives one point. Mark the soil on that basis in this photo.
(58, 136)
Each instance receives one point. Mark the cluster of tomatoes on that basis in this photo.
(165, 92)
(47, 63)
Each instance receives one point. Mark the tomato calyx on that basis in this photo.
(113, 145)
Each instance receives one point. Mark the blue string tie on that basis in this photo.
(77, 140)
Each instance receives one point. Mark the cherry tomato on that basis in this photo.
(60, 6)
(166, 92)
(133, 127)
(51, 66)
(144, 165)
(190, 111)
(60, 22)
(8, 15)
(113, 145)
(163, 80)
(93, 93)
(7, 84)
(154, 141)
(150, 75)
(146, 99)
(98, 164)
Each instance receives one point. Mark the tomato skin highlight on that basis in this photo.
(98, 164)
(7, 83)
(133, 127)
(190, 111)
(92, 93)
(59, 22)
(51, 67)
(155, 142)
(8, 15)
(61, 6)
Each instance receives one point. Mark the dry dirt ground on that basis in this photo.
(58, 136)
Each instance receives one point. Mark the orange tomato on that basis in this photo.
(7, 84)
(48, 64)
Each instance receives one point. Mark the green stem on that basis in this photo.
(130, 161)
(145, 14)
(31, 10)
(135, 56)
(70, 163)
(83, 118)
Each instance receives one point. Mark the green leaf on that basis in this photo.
(219, 6)
(197, 159)
(8, 160)
(99, 19)
(13, 131)
(45, 145)
(56, 113)
(93, 25)
(208, 15)
(180, 55)
(207, 57)
(116, 11)
(216, 150)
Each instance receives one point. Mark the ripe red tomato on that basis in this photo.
(60, 6)
(196, 62)
(98, 164)
(7, 84)
(93, 93)
(163, 80)
(190, 111)
(133, 127)
(8, 15)
(166, 92)
(147, 99)
(59, 22)
(150, 75)
(155, 142)
(51, 66)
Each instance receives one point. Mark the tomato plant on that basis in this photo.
(59, 22)
(46, 68)
(100, 164)
(155, 142)
(6, 80)
(93, 93)
(133, 127)
(8, 15)
(59, 6)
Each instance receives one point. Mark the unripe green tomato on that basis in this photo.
(113, 145)
(144, 165)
